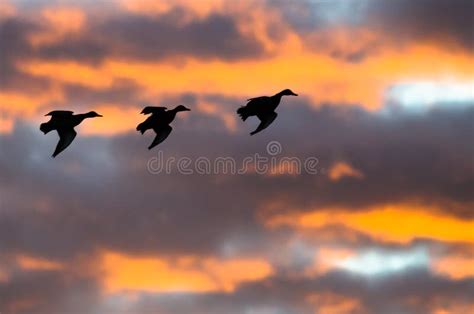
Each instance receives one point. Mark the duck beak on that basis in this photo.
(99, 115)
(294, 94)
(187, 109)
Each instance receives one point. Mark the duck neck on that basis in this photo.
(80, 117)
(173, 112)
(278, 95)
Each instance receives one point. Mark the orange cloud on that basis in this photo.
(455, 267)
(328, 258)
(6, 125)
(313, 75)
(446, 306)
(7, 10)
(128, 273)
(199, 9)
(400, 223)
(33, 263)
(4, 277)
(60, 21)
(342, 169)
(16, 103)
(330, 303)
(69, 72)
(117, 119)
(65, 19)
(212, 109)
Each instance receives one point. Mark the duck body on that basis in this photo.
(264, 108)
(64, 122)
(159, 121)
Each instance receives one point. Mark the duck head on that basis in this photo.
(93, 114)
(181, 108)
(288, 92)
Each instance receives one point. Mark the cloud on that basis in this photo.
(95, 231)
(111, 186)
(15, 46)
(441, 22)
(378, 223)
(181, 274)
(341, 169)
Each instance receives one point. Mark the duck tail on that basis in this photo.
(243, 113)
(141, 128)
(45, 127)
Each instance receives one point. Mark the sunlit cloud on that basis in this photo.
(6, 125)
(341, 169)
(375, 262)
(330, 303)
(414, 222)
(117, 119)
(317, 76)
(3, 276)
(421, 96)
(61, 22)
(7, 10)
(276, 243)
(329, 258)
(191, 274)
(454, 266)
(34, 263)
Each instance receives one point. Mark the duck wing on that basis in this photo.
(266, 119)
(60, 113)
(151, 109)
(253, 107)
(161, 135)
(261, 98)
(257, 104)
(66, 136)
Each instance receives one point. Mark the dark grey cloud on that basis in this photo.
(122, 36)
(102, 185)
(99, 194)
(85, 48)
(441, 22)
(130, 36)
(151, 38)
(121, 91)
(413, 291)
(14, 47)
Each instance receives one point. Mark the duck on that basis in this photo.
(159, 121)
(264, 108)
(64, 122)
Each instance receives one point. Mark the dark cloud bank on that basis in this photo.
(98, 194)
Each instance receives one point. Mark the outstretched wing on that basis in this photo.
(258, 98)
(65, 139)
(266, 120)
(161, 135)
(60, 113)
(151, 109)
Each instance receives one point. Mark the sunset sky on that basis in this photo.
(385, 106)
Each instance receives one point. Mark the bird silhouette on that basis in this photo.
(159, 121)
(64, 122)
(264, 108)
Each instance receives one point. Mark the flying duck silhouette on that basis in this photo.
(159, 121)
(264, 108)
(64, 122)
